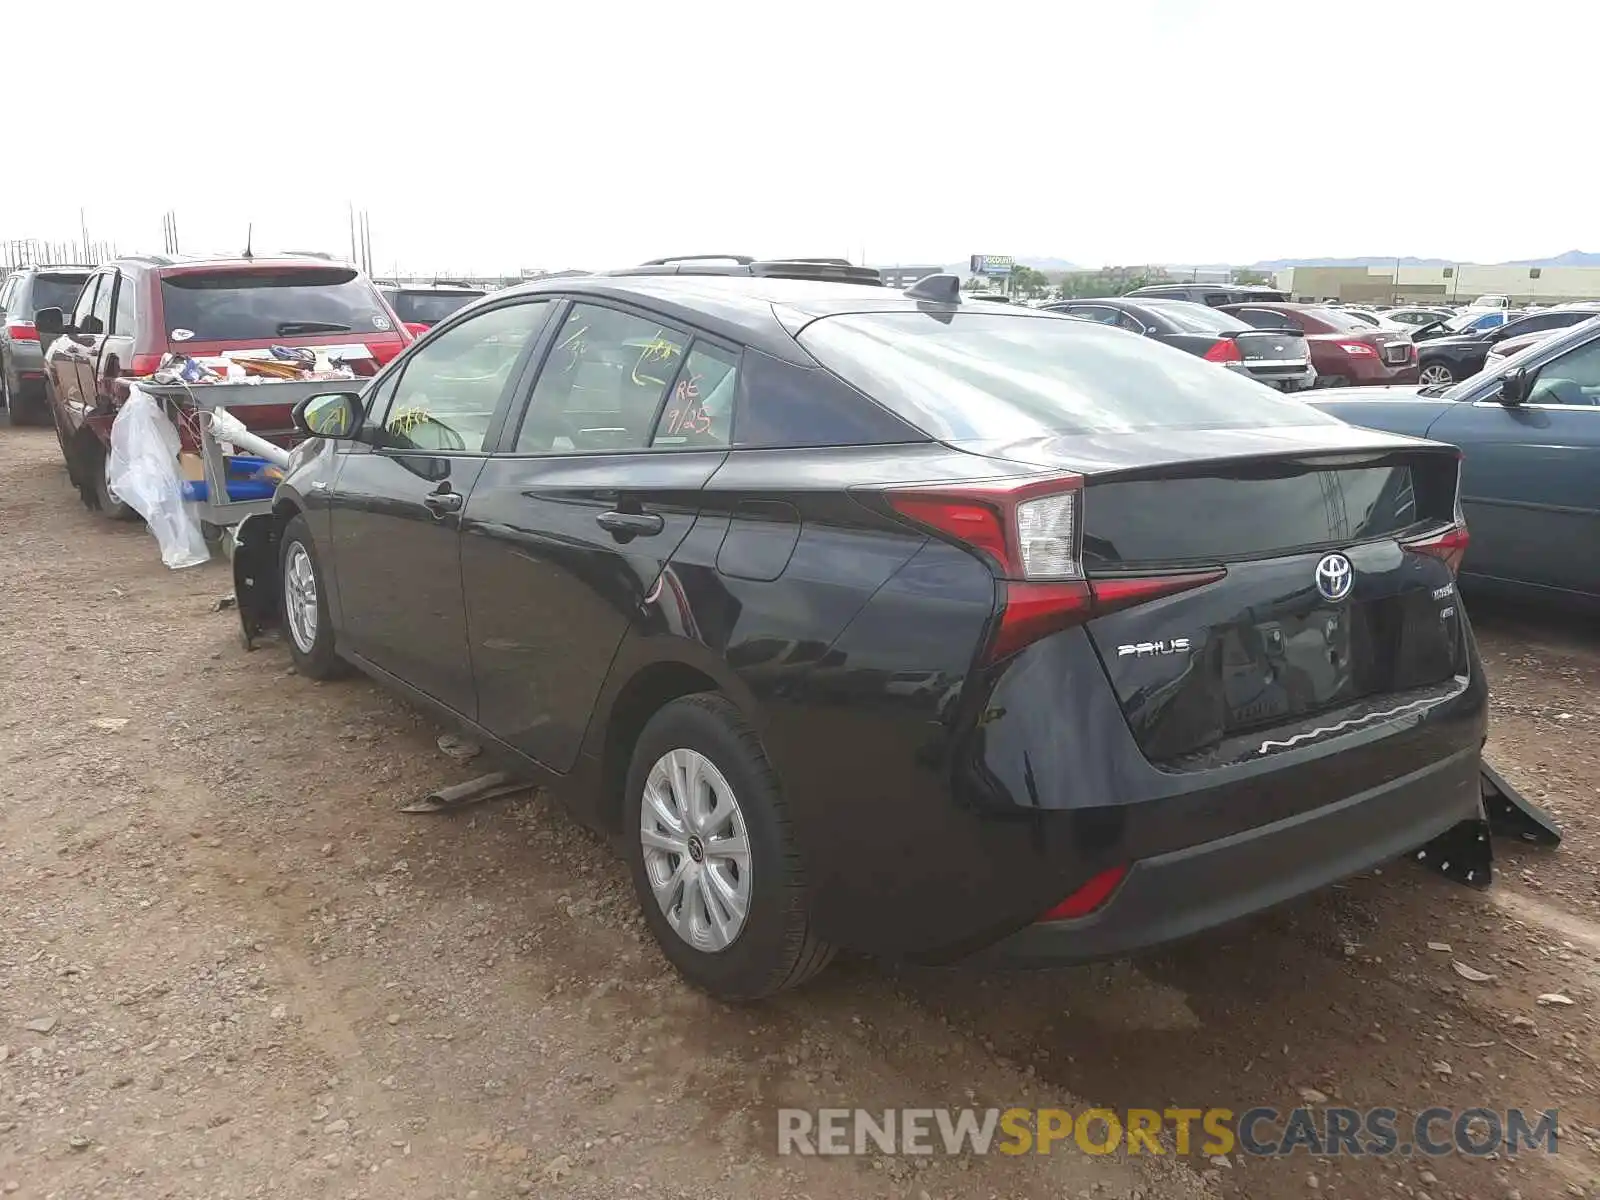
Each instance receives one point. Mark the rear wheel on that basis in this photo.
(24, 409)
(712, 854)
(304, 599)
(1434, 373)
(105, 499)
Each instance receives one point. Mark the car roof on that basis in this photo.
(177, 264)
(761, 311)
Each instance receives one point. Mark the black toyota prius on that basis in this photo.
(876, 620)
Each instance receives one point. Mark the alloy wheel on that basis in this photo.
(696, 850)
(1436, 373)
(300, 597)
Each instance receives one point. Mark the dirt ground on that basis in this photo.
(229, 967)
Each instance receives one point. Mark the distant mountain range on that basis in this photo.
(1572, 258)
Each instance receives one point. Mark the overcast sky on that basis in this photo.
(601, 133)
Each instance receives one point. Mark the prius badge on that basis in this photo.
(1335, 577)
(1149, 649)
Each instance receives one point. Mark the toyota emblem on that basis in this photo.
(1335, 577)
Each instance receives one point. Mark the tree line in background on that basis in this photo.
(1029, 284)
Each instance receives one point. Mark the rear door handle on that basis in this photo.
(631, 524)
(440, 503)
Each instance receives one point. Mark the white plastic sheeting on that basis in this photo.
(143, 473)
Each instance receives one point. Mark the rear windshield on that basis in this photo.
(997, 376)
(1335, 319)
(242, 305)
(56, 291)
(1196, 318)
(428, 308)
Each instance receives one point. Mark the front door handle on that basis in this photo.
(631, 524)
(440, 503)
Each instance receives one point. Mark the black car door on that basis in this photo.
(1530, 480)
(566, 535)
(394, 513)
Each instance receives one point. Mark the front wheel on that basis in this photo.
(1434, 374)
(304, 596)
(712, 854)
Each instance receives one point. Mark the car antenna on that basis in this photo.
(940, 289)
(249, 238)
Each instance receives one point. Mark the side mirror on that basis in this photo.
(1514, 387)
(50, 321)
(334, 415)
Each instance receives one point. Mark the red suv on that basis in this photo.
(133, 311)
(1345, 351)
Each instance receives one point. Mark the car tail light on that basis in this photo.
(1089, 897)
(1225, 351)
(144, 364)
(22, 331)
(1358, 349)
(1450, 546)
(1030, 532)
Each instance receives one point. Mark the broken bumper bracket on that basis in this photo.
(1464, 852)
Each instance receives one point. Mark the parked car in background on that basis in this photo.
(21, 352)
(1467, 321)
(1460, 355)
(1279, 358)
(1418, 317)
(1344, 350)
(1530, 481)
(420, 307)
(1506, 347)
(133, 311)
(1375, 319)
(891, 622)
(1214, 294)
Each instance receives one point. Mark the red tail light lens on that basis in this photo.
(1449, 546)
(1030, 532)
(144, 364)
(22, 331)
(1358, 349)
(1225, 351)
(1089, 897)
(1036, 610)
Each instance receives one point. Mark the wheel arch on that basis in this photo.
(647, 675)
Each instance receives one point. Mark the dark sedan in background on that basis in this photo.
(1344, 350)
(1530, 433)
(1456, 356)
(1278, 357)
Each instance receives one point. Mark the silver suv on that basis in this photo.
(25, 292)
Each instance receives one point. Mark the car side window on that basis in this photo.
(1131, 323)
(85, 305)
(449, 389)
(102, 303)
(6, 289)
(123, 320)
(1574, 378)
(1096, 312)
(602, 383)
(699, 411)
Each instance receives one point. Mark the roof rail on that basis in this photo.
(742, 260)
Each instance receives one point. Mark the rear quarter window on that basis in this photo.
(782, 405)
(981, 377)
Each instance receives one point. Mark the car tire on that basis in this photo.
(772, 947)
(310, 632)
(1430, 374)
(22, 410)
(104, 500)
